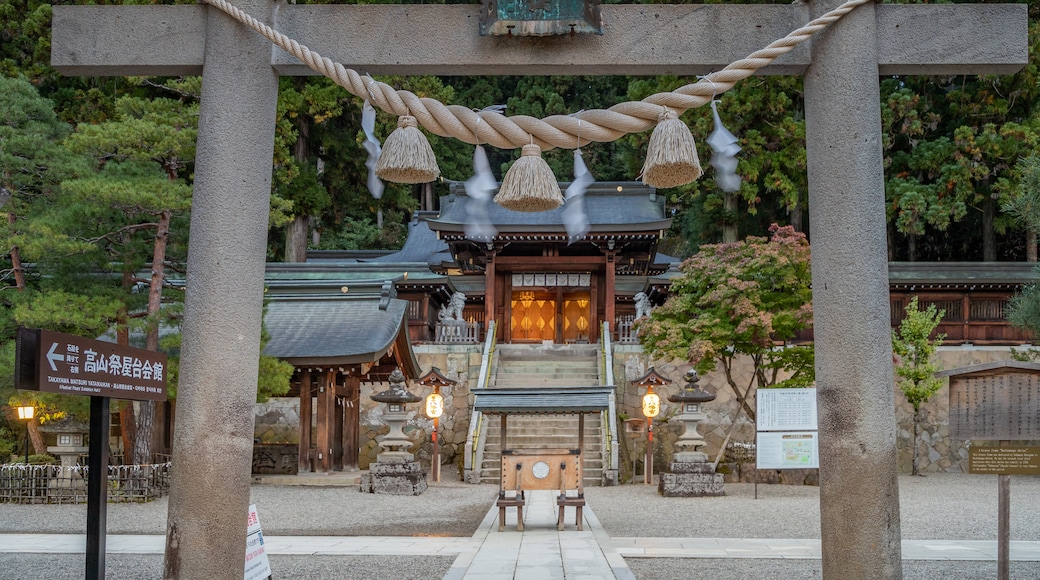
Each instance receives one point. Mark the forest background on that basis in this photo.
(96, 176)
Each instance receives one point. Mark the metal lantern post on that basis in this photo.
(434, 410)
(26, 413)
(651, 407)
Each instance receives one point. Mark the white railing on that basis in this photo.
(473, 453)
(457, 331)
(627, 334)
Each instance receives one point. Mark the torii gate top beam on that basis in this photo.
(443, 40)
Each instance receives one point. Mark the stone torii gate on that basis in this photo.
(859, 507)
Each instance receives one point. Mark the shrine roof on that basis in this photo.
(331, 332)
(938, 275)
(991, 368)
(422, 244)
(360, 325)
(332, 275)
(610, 207)
(543, 401)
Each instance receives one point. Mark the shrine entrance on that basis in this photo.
(558, 314)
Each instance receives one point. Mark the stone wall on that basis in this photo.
(457, 362)
(277, 421)
(937, 452)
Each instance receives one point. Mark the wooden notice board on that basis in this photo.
(997, 401)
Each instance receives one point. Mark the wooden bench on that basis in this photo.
(563, 501)
(505, 501)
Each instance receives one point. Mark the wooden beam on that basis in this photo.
(638, 39)
(306, 413)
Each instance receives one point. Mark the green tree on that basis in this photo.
(1022, 200)
(915, 370)
(134, 213)
(740, 300)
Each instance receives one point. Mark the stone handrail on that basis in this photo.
(610, 441)
(474, 449)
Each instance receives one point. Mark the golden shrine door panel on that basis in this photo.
(561, 314)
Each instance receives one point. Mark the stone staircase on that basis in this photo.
(520, 366)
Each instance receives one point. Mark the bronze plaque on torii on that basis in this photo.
(999, 401)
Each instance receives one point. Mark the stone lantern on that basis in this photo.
(690, 474)
(690, 399)
(395, 472)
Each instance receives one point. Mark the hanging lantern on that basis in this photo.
(407, 156)
(671, 156)
(434, 404)
(530, 185)
(651, 403)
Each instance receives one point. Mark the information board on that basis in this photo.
(54, 362)
(786, 409)
(787, 450)
(995, 406)
(1004, 460)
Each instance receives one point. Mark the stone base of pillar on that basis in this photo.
(396, 478)
(691, 479)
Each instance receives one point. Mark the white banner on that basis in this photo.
(257, 566)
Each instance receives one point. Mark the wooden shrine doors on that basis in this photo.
(560, 315)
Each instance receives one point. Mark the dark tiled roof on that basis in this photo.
(332, 330)
(543, 401)
(961, 273)
(610, 206)
(422, 244)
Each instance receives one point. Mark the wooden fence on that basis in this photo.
(21, 483)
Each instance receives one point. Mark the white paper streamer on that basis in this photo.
(724, 150)
(574, 218)
(368, 125)
(479, 189)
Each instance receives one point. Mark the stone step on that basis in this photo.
(548, 372)
(555, 352)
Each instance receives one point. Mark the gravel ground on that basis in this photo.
(935, 507)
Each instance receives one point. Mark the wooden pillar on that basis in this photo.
(338, 416)
(966, 318)
(502, 431)
(490, 293)
(326, 411)
(608, 292)
(306, 414)
(351, 420)
(594, 309)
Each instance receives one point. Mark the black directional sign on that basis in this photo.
(55, 362)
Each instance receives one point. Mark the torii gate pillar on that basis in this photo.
(859, 494)
(223, 304)
(859, 500)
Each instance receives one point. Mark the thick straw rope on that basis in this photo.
(564, 131)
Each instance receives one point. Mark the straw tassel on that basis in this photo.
(671, 156)
(407, 156)
(530, 185)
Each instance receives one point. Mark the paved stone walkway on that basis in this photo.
(540, 551)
